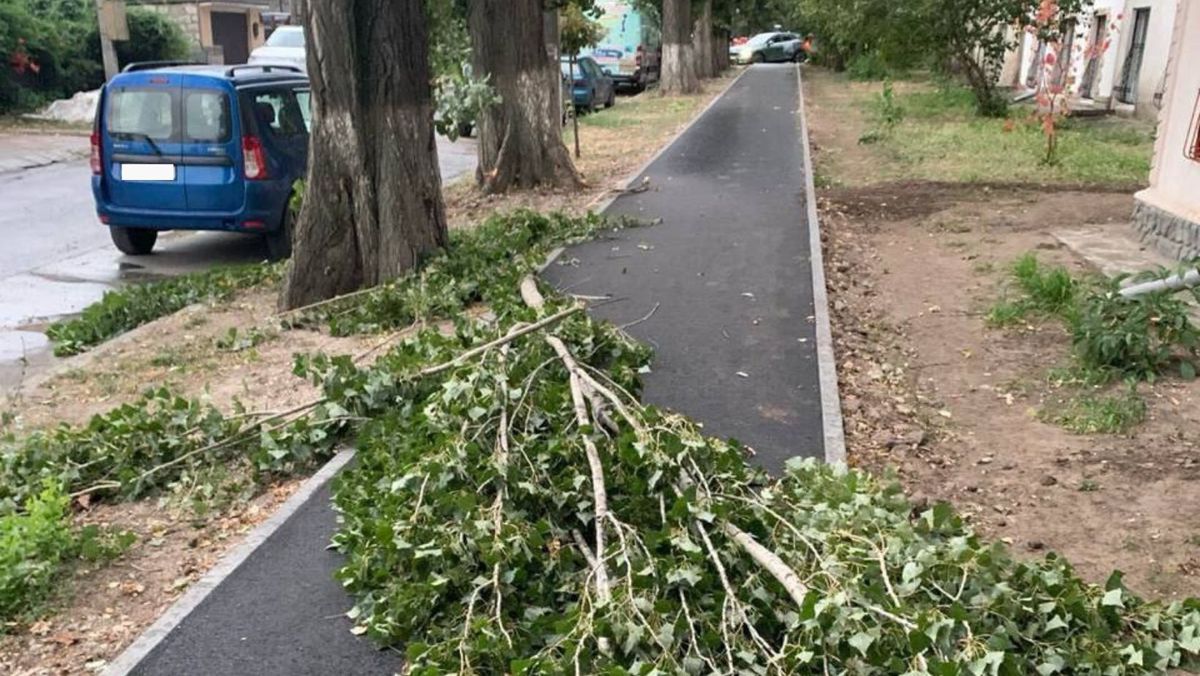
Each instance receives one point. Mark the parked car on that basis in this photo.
(187, 147)
(631, 49)
(771, 48)
(285, 45)
(593, 86)
(735, 46)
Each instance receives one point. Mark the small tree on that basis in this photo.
(1054, 82)
(577, 31)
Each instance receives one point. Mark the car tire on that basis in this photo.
(612, 98)
(134, 241)
(279, 243)
(757, 57)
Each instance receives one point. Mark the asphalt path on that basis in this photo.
(727, 277)
(722, 287)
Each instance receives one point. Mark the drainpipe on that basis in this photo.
(1173, 283)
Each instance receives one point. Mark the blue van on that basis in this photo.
(193, 147)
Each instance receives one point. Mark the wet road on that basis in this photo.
(56, 258)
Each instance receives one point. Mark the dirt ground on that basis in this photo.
(614, 143)
(103, 608)
(933, 394)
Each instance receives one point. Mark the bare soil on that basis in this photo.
(103, 608)
(947, 404)
(613, 142)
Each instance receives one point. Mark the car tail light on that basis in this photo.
(253, 158)
(97, 165)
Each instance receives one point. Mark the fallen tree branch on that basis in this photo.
(770, 562)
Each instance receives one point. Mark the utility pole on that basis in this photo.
(107, 51)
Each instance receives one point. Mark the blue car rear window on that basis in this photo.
(206, 116)
(155, 112)
(143, 112)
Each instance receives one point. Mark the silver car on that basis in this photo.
(284, 46)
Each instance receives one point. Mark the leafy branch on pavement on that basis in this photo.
(523, 512)
(127, 308)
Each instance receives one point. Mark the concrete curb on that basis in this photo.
(179, 611)
(831, 404)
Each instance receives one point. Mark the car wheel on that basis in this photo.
(134, 241)
(279, 243)
(612, 98)
(757, 58)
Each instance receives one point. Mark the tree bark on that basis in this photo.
(720, 51)
(678, 65)
(373, 199)
(702, 41)
(520, 138)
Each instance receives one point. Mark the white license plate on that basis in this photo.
(147, 172)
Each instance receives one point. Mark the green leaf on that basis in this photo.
(862, 642)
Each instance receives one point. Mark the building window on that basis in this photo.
(1127, 91)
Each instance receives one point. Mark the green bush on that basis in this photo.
(868, 66)
(1140, 337)
(152, 37)
(32, 546)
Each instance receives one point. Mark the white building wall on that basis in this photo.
(1151, 77)
(1168, 212)
(1119, 17)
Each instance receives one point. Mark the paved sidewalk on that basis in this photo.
(26, 151)
(729, 274)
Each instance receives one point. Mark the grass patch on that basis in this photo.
(1113, 338)
(1045, 292)
(942, 138)
(1093, 413)
(125, 309)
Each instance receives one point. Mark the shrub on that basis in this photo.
(152, 37)
(1138, 337)
(868, 66)
(32, 545)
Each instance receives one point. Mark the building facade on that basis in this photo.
(219, 32)
(1113, 57)
(1167, 214)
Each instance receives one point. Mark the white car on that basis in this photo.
(284, 46)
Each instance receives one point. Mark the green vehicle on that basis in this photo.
(774, 47)
(630, 50)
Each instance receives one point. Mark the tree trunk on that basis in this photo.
(520, 139)
(678, 66)
(702, 41)
(373, 199)
(720, 51)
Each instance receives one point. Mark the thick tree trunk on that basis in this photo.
(702, 41)
(678, 65)
(520, 138)
(373, 199)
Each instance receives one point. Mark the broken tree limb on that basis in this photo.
(769, 561)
